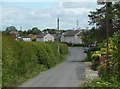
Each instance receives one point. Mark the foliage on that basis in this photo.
(116, 43)
(113, 51)
(95, 60)
(51, 31)
(89, 36)
(23, 60)
(34, 31)
(8, 30)
(63, 49)
(113, 66)
(100, 18)
(23, 33)
(91, 51)
(101, 83)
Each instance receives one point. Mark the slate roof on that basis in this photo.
(71, 33)
(41, 35)
(80, 34)
(32, 36)
(56, 36)
(25, 36)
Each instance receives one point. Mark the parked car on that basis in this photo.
(86, 49)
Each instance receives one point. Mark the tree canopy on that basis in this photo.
(107, 15)
(9, 29)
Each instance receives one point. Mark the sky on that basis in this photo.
(44, 14)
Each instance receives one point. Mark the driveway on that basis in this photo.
(67, 74)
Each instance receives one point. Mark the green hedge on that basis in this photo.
(23, 60)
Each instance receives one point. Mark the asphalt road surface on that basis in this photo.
(67, 74)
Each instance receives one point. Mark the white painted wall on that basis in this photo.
(39, 39)
(78, 40)
(71, 39)
(48, 37)
(26, 39)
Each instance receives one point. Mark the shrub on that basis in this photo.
(90, 52)
(23, 60)
(18, 61)
(95, 60)
(63, 49)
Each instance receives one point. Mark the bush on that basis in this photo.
(63, 49)
(19, 61)
(90, 52)
(23, 60)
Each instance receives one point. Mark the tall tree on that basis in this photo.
(9, 29)
(35, 31)
(89, 36)
(100, 16)
(51, 31)
(116, 22)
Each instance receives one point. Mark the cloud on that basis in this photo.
(20, 14)
(0, 16)
(79, 4)
(23, 16)
(49, 0)
(76, 11)
(45, 17)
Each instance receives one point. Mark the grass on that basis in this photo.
(100, 83)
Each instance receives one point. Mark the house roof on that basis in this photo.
(56, 35)
(80, 34)
(25, 36)
(71, 33)
(32, 36)
(41, 35)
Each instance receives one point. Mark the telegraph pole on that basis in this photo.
(58, 27)
(107, 61)
(77, 24)
(21, 28)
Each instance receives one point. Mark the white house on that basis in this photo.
(72, 37)
(26, 38)
(45, 37)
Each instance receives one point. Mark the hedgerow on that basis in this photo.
(23, 60)
(109, 74)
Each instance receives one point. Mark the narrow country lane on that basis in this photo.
(67, 74)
